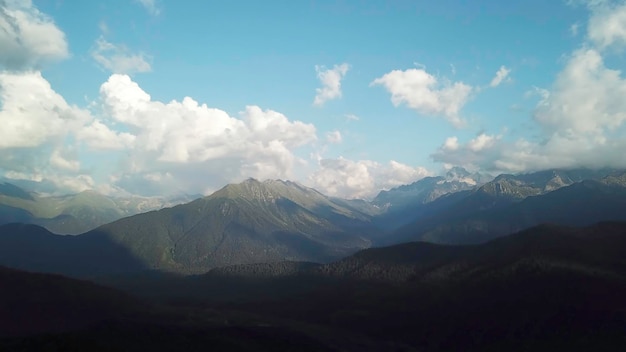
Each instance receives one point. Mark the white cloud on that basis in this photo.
(581, 118)
(362, 179)
(150, 6)
(587, 98)
(333, 137)
(607, 25)
(482, 141)
(331, 83)
(501, 76)
(99, 136)
(41, 131)
(28, 38)
(189, 139)
(62, 162)
(451, 143)
(32, 113)
(146, 147)
(425, 94)
(118, 58)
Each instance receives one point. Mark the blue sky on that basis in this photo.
(158, 97)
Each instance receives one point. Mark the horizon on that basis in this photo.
(156, 98)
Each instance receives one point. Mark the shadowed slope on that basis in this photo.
(33, 248)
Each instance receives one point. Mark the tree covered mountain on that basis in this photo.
(243, 223)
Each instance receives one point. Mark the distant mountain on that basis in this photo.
(428, 189)
(407, 203)
(71, 214)
(243, 223)
(512, 203)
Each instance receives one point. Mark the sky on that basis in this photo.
(163, 97)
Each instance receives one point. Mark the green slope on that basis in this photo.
(243, 223)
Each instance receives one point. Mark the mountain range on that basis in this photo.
(242, 223)
(75, 213)
(511, 203)
(460, 262)
(277, 221)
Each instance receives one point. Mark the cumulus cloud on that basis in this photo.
(28, 38)
(150, 6)
(582, 121)
(331, 83)
(32, 113)
(501, 76)
(363, 178)
(150, 147)
(587, 98)
(119, 59)
(581, 118)
(607, 25)
(426, 94)
(197, 138)
(37, 125)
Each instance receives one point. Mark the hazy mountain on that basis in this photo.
(512, 203)
(428, 189)
(407, 203)
(517, 187)
(243, 223)
(71, 214)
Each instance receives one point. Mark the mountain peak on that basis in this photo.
(266, 191)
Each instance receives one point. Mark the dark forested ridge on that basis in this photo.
(33, 248)
(546, 288)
